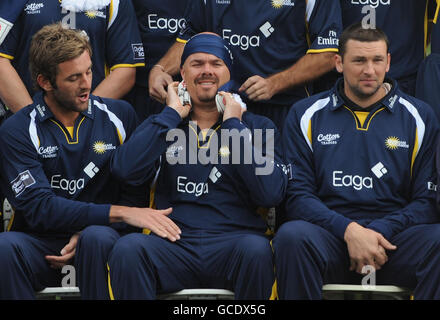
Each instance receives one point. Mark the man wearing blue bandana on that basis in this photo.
(280, 47)
(222, 242)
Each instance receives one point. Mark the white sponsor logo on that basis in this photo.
(138, 51)
(331, 40)
(91, 169)
(357, 182)
(48, 152)
(379, 170)
(184, 186)
(222, 1)
(372, 3)
(173, 151)
(242, 41)
(71, 186)
(170, 24)
(41, 110)
(329, 138)
(432, 186)
(267, 29)
(214, 175)
(23, 181)
(5, 26)
(33, 8)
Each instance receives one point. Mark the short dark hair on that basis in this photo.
(359, 33)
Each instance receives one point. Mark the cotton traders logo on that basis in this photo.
(101, 147)
(48, 152)
(279, 3)
(394, 143)
(33, 8)
(329, 138)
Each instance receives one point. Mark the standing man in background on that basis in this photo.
(159, 22)
(405, 22)
(280, 48)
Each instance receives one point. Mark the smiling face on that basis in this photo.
(364, 66)
(203, 74)
(71, 90)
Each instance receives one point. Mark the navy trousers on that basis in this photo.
(142, 265)
(23, 267)
(92, 252)
(308, 256)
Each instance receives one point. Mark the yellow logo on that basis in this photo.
(393, 143)
(224, 151)
(277, 3)
(91, 14)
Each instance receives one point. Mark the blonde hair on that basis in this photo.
(52, 45)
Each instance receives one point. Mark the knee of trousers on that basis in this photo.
(94, 237)
(254, 248)
(10, 248)
(294, 235)
(131, 249)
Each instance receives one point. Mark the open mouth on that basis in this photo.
(84, 97)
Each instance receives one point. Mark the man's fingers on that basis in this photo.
(248, 83)
(386, 244)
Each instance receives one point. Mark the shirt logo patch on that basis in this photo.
(91, 170)
(279, 3)
(138, 51)
(34, 8)
(48, 152)
(267, 29)
(393, 143)
(100, 147)
(329, 138)
(22, 182)
(214, 175)
(92, 14)
(5, 26)
(379, 170)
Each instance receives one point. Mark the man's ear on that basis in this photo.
(182, 73)
(44, 83)
(388, 62)
(338, 63)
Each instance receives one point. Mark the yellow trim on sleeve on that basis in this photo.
(126, 65)
(322, 50)
(181, 40)
(7, 56)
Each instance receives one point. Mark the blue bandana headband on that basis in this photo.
(208, 43)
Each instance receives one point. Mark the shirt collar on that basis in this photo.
(337, 100)
(44, 112)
